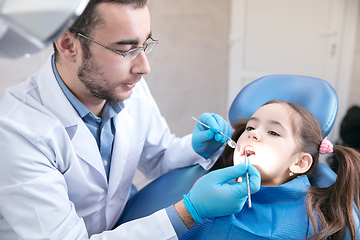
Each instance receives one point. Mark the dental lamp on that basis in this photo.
(27, 26)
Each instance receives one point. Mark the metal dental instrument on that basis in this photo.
(248, 181)
(230, 142)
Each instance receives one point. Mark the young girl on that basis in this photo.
(283, 141)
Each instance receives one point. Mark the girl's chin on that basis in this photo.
(257, 167)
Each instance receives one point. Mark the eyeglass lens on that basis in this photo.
(133, 53)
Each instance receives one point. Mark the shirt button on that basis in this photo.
(105, 163)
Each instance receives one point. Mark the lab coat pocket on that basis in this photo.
(130, 165)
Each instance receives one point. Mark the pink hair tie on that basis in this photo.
(326, 147)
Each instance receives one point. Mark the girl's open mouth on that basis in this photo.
(249, 150)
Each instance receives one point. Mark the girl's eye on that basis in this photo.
(274, 133)
(249, 128)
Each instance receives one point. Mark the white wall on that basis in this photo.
(14, 71)
(354, 95)
(190, 66)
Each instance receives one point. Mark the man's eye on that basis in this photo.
(124, 48)
(274, 133)
(122, 51)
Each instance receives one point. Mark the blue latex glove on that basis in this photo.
(205, 141)
(212, 197)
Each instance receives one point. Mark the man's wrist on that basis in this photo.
(184, 214)
(176, 221)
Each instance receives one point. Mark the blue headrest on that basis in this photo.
(313, 94)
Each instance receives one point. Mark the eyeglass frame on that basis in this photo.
(124, 53)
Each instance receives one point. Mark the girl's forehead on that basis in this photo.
(277, 110)
(278, 113)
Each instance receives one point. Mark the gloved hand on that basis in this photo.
(205, 141)
(212, 197)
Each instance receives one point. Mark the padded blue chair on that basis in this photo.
(314, 94)
(161, 193)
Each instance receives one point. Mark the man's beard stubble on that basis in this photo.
(89, 74)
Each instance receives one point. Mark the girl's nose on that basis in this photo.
(253, 134)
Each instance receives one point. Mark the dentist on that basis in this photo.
(73, 134)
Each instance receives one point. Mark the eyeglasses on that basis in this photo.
(127, 55)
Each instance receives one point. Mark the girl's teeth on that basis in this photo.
(249, 151)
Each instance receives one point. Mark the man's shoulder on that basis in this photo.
(22, 105)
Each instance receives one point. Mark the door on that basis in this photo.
(304, 37)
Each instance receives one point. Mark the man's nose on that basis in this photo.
(141, 64)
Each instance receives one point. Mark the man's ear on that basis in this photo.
(67, 47)
(302, 165)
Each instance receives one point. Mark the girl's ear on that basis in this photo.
(302, 165)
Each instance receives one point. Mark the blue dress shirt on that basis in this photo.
(102, 128)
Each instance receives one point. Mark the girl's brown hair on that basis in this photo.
(331, 209)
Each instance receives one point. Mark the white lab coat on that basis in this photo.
(52, 181)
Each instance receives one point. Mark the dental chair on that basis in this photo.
(315, 95)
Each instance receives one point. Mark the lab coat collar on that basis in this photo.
(55, 101)
(122, 142)
(120, 177)
(53, 97)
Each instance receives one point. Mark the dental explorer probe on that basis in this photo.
(230, 142)
(248, 180)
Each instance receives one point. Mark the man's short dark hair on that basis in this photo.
(90, 19)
